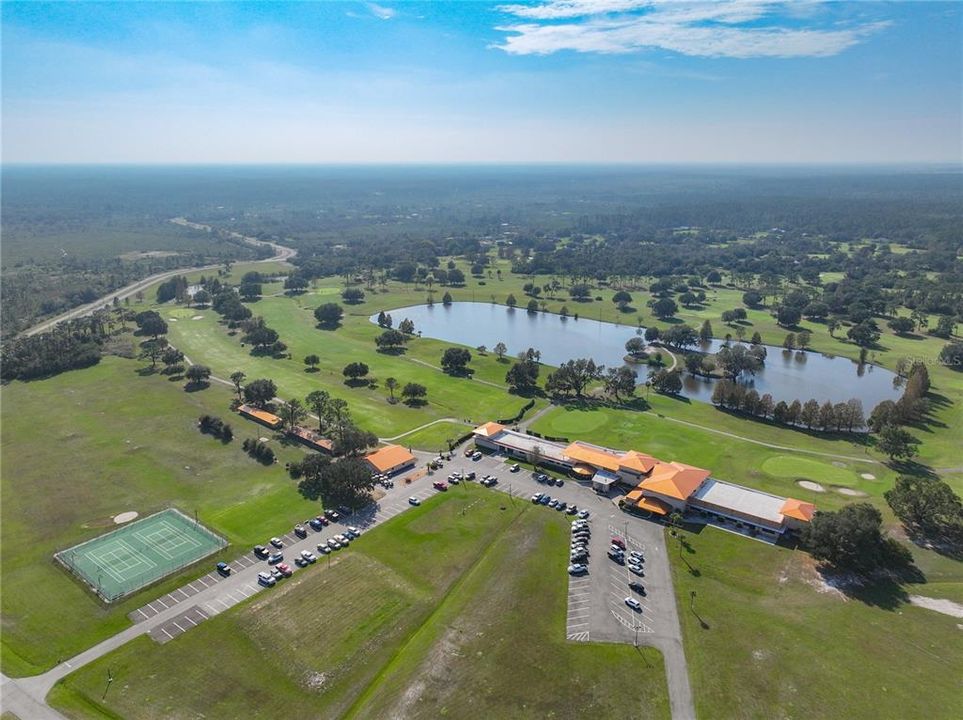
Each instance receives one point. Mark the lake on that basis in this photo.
(786, 376)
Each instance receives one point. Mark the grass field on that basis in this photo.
(419, 618)
(940, 448)
(86, 445)
(740, 461)
(778, 645)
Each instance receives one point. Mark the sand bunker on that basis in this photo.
(809, 485)
(125, 517)
(171, 319)
(197, 317)
(868, 476)
(947, 607)
(850, 492)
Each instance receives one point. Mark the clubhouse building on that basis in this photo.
(654, 487)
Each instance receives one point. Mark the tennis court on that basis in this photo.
(136, 555)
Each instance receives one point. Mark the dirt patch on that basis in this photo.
(850, 492)
(827, 585)
(125, 517)
(947, 607)
(810, 485)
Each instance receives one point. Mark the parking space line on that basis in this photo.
(186, 596)
(164, 630)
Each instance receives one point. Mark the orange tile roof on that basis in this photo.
(310, 436)
(592, 456)
(676, 480)
(798, 509)
(634, 496)
(639, 462)
(585, 470)
(654, 505)
(389, 457)
(263, 416)
(488, 429)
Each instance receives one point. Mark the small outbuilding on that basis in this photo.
(390, 460)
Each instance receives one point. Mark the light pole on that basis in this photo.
(692, 596)
(110, 679)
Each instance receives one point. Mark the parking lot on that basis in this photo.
(596, 600)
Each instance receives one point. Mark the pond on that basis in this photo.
(786, 376)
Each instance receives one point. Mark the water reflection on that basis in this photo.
(788, 375)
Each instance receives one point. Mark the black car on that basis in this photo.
(300, 531)
(224, 569)
(637, 587)
(261, 551)
(316, 524)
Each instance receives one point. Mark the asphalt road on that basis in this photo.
(281, 253)
(596, 602)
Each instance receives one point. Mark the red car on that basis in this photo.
(618, 542)
(323, 520)
(285, 569)
(439, 485)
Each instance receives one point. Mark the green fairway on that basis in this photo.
(778, 644)
(419, 618)
(802, 468)
(663, 432)
(86, 445)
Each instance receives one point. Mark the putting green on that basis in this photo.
(574, 423)
(791, 466)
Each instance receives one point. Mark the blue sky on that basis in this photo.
(736, 81)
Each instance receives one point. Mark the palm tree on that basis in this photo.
(392, 385)
(238, 378)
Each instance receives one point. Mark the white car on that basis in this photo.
(266, 579)
(414, 501)
(583, 514)
(309, 556)
(577, 569)
(354, 532)
(636, 555)
(634, 604)
(476, 456)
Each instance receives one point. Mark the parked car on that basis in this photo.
(354, 532)
(572, 509)
(476, 456)
(637, 587)
(469, 452)
(300, 531)
(316, 524)
(514, 468)
(323, 548)
(285, 569)
(276, 542)
(323, 520)
(634, 604)
(637, 569)
(300, 561)
(328, 514)
(617, 557)
(559, 482)
(223, 569)
(343, 539)
(275, 558)
(578, 557)
(470, 475)
(266, 579)
(552, 502)
(577, 569)
(345, 510)
(309, 556)
(414, 501)
(454, 481)
(619, 542)
(335, 516)
(545, 500)
(636, 555)
(261, 551)
(536, 497)
(561, 506)
(334, 544)
(440, 485)
(583, 514)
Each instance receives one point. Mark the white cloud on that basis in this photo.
(705, 29)
(381, 12)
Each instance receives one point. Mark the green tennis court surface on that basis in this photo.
(129, 558)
